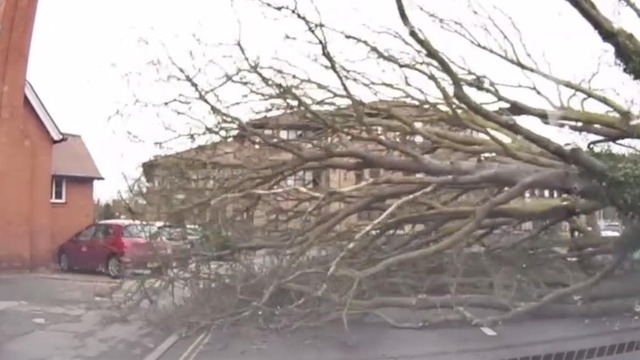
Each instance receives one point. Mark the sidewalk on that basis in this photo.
(65, 316)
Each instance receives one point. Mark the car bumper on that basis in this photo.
(137, 263)
(145, 262)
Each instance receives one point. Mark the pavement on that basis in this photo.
(69, 317)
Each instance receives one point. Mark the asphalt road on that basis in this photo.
(66, 317)
(554, 338)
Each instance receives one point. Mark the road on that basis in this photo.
(67, 317)
(548, 339)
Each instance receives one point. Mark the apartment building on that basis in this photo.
(181, 186)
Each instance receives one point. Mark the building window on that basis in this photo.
(305, 178)
(58, 190)
(374, 173)
(289, 134)
(359, 176)
(274, 221)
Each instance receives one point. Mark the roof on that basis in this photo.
(43, 114)
(226, 154)
(71, 158)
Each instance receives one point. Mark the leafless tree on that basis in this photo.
(445, 169)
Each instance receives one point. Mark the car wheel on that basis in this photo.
(63, 261)
(114, 267)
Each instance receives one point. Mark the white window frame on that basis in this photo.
(53, 191)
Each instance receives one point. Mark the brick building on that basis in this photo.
(178, 181)
(46, 176)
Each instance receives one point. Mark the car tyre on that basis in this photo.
(114, 267)
(63, 262)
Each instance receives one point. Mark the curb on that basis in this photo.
(77, 277)
(72, 278)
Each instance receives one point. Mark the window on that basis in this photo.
(58, 190)
(288, 134)
(86, 234)
(303, 178)
(274, 221)
(103, 232)
(374, 173)
(317, 178)
(138, 231)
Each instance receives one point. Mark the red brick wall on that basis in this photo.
(41, 153)
(16, 21)
(75, 214)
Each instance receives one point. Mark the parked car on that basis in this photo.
(177, 236)
(178, 242)
(610, 229)
(182, 242)
(113, 246)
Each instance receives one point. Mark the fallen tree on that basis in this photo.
(445, 171)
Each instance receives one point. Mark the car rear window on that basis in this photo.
(138, 231)
(171, 233)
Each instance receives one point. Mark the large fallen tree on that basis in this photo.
(460, 172)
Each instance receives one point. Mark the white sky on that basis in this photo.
(82, 49)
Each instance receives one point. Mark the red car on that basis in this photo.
(111, 246)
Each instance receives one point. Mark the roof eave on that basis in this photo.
(79, 177)
(56, 135)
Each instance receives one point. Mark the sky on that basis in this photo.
(84, 53)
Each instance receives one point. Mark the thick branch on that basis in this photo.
(625, 44)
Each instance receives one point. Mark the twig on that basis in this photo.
(345, 312)
(555, 295)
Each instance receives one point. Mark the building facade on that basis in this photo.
(179, 185)
(41, 204)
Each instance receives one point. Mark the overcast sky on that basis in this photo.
(82, 50)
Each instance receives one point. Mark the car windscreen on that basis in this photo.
(172, 233)
(143, 231)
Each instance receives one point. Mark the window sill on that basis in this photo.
(59, 202)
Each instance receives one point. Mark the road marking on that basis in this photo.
(197, 346)
(162, 348)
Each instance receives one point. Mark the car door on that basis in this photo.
(101, 244)
(79, 254)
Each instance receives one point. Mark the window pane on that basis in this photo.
(138, 231)
(103, 232)
(86, 234)
(359, 176)
(58, 189)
